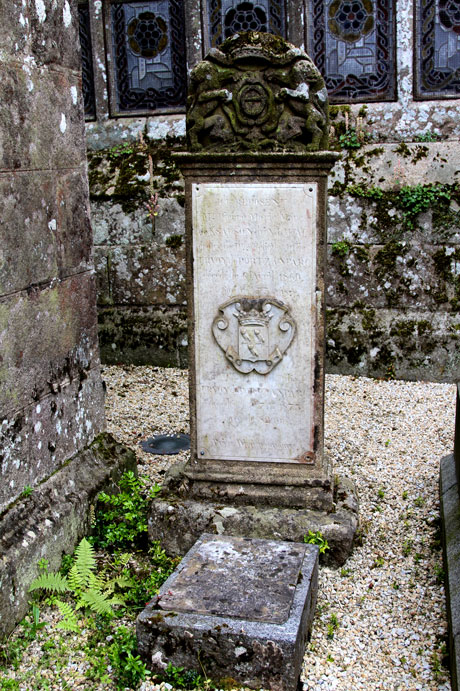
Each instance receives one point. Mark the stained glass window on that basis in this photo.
(148, 42)
(86, 61)
(437, 62)
(228, 17)
(352, 42)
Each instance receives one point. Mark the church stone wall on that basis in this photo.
(51, 396)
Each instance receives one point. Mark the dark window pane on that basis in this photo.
(86, 61)
(149, 51)
(437, 73)
(228, 17)
(352, 42)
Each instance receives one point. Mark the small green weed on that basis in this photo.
(332, 626)
(344, 572)
(381, 493)
(378, 562)
(128, 667)
(26, 492)
(407, 547)
(439, 573)
(316, 539)
(405, 494)
(350, 139)
(427, 137)
(419, 501)
(185, 679)
(12, 650)
(415, 199)
(341, 248)
(120, 150)
(121, 519)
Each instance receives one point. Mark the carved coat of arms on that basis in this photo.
(254, 333)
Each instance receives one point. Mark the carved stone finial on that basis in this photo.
(256, 92)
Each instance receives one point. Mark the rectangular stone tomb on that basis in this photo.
(237, 608)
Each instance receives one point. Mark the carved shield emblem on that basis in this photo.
(254, 333)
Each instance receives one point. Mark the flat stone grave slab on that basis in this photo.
(237, 609)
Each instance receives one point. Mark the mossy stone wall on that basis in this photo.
(393, 273)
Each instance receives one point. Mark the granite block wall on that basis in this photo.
(51, 395)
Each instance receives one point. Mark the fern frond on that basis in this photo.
(69, 622)
(116, 600)
(121, 582)
(53, 582)
(95, 582)
(96, 601)
(76, 583)
(85, 562)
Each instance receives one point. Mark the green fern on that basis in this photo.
(85, 562)
(89, 590)
(53, 582)
(69, 621)
(96, 601)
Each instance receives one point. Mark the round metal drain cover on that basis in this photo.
(163, 444)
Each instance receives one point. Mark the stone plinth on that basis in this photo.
(255, 211)
(239, 608)
(256, 251)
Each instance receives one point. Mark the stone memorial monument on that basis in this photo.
(256, 180)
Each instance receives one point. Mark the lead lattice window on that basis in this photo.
(228, 17)
(437, 62)
(352, 42)
(148, 56)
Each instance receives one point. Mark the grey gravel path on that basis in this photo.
(381, 620)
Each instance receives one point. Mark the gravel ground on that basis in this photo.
(381, 621)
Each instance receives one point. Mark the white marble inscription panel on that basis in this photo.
(254, 241)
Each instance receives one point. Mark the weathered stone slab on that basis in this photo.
(457, 436)
(45, 31)
(178, 521)
(50, 522)
(170, 221)
(256, 240)
(240, 607)
(450, 517)
(40, 118)
(114, 226)
(384, 342)
(394, 165)
(62, 342)
(398, 274)
(141, 275)
(37, 439)
(57, 234)
(143, 335)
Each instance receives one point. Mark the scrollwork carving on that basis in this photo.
(257, 92)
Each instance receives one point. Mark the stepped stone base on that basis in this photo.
(178, 520)
(239, 609)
